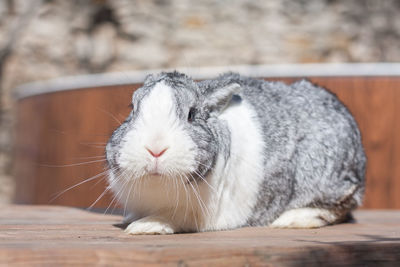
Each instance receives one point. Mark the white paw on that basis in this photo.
(149, 226)
(304, 218)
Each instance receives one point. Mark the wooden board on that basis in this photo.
(57, 236)
(57, 132)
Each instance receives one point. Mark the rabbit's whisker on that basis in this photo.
(78, 184)
(111, 115)
(73, 164)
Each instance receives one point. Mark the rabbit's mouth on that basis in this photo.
(155, 172)
(154, 168)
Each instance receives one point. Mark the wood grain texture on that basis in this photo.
(57, 132)
(61, 236)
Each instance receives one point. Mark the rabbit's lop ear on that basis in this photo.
(220, 98)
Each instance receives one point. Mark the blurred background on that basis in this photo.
(48, 39)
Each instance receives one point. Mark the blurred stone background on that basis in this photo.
(47, 39)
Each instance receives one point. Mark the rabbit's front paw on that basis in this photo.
(149, 226)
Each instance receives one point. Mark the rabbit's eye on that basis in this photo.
(192, 111)
(130, 106)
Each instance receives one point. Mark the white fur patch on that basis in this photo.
(149, 226)
(238, 180)
(304, 218)
(157, 128)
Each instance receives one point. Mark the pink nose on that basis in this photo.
(156, 154)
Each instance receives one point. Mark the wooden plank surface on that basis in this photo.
(58, 132)
(57, 236)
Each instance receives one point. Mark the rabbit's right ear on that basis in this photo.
(220, 98)
(149, 79)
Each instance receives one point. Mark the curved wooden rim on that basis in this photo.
(273, 70)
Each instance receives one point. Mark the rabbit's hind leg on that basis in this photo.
(306, 218)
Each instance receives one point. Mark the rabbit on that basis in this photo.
(232, 152)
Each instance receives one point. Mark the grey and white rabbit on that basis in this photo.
(232, 152)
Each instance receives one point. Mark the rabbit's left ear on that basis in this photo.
(220, 98)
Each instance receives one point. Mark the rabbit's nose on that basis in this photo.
(156, 152)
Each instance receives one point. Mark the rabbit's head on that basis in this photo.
(172, 131)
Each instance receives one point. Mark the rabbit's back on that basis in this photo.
(313, 153)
